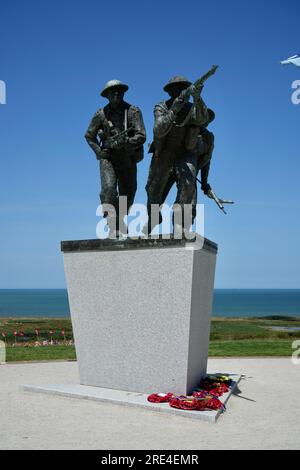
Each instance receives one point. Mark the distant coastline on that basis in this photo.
(53, 303)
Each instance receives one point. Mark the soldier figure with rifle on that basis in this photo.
(175, 149)
(117, 134)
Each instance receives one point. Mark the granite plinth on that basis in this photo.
(136, 243)
(140, 310)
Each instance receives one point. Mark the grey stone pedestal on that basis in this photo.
(140, 311)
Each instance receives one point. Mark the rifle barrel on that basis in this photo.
(226, 201)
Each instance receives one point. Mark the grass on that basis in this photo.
(250, 348)
(45, 353)
(229, 337)
(29, 325)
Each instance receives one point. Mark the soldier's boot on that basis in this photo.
(177, 222)
(150, 225)
(114, 232)
(183, 216)
(181, 232)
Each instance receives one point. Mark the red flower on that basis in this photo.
(208, 404)
(63, 332)
(51, 332)
(160, 397)
(4, 334)
(182, 402)
(198, 404)
(15, 333)
(21, 333)
(215, 388)
(200, 394)
(204, 398)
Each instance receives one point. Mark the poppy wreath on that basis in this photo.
(216, 384)
(182, 403)
(204, 398)
(194, 403)
(216, 389)
(160, 397)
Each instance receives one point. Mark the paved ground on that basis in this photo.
(265, 414)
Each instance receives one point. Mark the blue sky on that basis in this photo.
(55, 58)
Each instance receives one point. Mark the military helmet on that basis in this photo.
(211, 115)
(113, 84)
(177, 80)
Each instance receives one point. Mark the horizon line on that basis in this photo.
(215, 288)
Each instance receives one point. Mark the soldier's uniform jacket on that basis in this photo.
(107, 118)
(177, 133)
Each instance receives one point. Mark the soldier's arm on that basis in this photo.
(139, 137)
(92, 132)
(200, 114)
(204, 174)
(205, 170)
(163, 121)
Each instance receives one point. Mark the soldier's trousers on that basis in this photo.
(118, 178)
(165, 170)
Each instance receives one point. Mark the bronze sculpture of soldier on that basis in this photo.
(181, 146)
(116, 134)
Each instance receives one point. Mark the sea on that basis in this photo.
(226, 303)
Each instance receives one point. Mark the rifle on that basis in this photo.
(220, 202)
(116, 140)
(198, 84)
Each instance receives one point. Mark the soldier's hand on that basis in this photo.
(104, 153)
(196, 92)
(182, 99)
(206, 188)
(185, 94)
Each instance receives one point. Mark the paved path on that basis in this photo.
(265, 415)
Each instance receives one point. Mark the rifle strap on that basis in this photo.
(106, 122)
(126, 119)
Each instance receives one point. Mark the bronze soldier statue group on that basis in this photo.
(182, 146)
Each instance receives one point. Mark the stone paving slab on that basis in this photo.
(121, 397)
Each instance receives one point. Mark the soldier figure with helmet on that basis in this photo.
(182, 145)
(116, 134)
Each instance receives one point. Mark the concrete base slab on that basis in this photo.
(121, 397)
